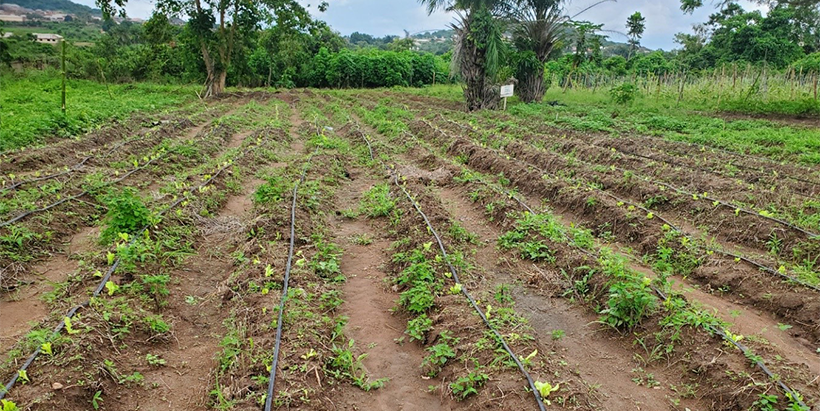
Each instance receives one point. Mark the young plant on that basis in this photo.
(127, 213)
(469, 385)
(377, 202)
(417, 328)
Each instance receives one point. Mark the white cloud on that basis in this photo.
(390, 17)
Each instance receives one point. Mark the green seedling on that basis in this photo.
(96, 400)
(154, 360)
(8, 405)
(545, 389)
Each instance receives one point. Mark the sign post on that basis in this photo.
(507, 91)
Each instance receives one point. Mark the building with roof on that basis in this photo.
(12, 18)
(47, 38)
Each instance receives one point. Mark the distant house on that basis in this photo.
(12, 18)
(47, 38)
(7, 35)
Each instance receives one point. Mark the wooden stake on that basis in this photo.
(64, 75)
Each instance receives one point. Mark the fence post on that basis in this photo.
(64, 74)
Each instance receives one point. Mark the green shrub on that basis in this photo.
(629, 302)
(127, 214)
(377, 202)
(624, 94)
(271, 192)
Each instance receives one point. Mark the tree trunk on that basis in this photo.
(531, 87)
(478, 91)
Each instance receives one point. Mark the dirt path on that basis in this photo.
(368, 302)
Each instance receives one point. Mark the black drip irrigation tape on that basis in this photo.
(717, 331)
(73, 168)
(285, 281)
(469, 297)
(454, 273)
(676, 228)
(675, 163)
(77, 196)
(70, 314)
(809, 234)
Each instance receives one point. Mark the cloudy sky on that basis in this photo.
(382, 17)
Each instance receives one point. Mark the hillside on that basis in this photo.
(65, 6)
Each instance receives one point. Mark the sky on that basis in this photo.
(382, 17)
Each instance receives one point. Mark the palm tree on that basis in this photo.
(477, 47)
(539, 28)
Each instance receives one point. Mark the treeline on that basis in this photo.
(159, 51)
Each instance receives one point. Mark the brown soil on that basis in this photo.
(603, 362)
(185, 381)
(375, 329)
(218, 292)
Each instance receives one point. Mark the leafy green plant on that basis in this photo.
(154, 360)
(439, 354)
(624, 93)
(377, 202)
(157, 287)
(272, 191)
(325, 263)
(418, 327)
(343, 364)
(157, 324)
(463, 387)
(765, 402)
(545, 389)
(419, 298)
(127, 213)
(629, 302)
(8, 405)
(96, 400)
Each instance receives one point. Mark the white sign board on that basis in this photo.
(507, 91)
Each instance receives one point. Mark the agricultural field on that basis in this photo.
(386, 250)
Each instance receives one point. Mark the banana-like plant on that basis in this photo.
(539, 29)
(479, 45)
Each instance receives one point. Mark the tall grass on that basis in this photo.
(30, 106)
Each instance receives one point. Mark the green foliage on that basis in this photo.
(325, 263)
(377, 202)
(624, 93)
(419, 298)
(765, 402)
(439, 354)
(418, 327)
(545, 389)
(525, 236)
(273, 191)
(630, 296)
(463, 387)
(127, 214)
(344, 364)
(8, 405)
(629, 302)
(31, 104)
(157, 324)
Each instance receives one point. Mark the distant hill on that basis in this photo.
(65, 6)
